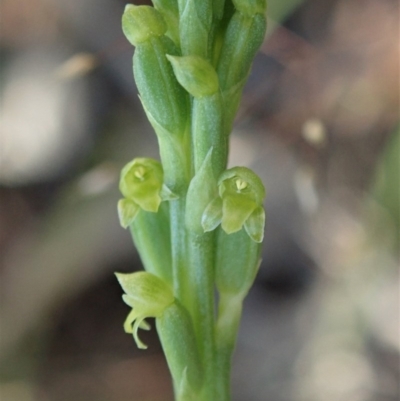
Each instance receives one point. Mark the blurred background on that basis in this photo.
(319, 121)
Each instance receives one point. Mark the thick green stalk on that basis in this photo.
(208, 132)
(179, 252)
(176, 333)
(201, 271)
(151, 235)
(229, 314)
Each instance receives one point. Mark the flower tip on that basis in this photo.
(171, 59)
(127, 212)
(129, 7)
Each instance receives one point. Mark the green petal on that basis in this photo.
(127, 211)
(129, 321)
(138, 324)
(254, 225)
(235, 211)
(212, 216)
(166, 194)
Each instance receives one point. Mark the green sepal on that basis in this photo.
(170, 12)
(141, 181)
(127, 212)
(166, 194)
(212, 215)
(237, 262)
(202, 190)
(176, 332)
(241, 180)
(254, 225)
(195, 74)
(251, 7)
(141, 23)
(148, 296)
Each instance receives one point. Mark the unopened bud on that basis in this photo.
(140, 23)
(195, 74)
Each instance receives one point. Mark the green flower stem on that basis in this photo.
(193, 278)
(208, 132)
(151, 235)
(229, 314)
(179, 252)
(176, 333)
(201, 270)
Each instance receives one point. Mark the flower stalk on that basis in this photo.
(197, 226)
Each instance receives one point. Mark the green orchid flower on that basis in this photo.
(239, 204)
(142, 185)
(148, 296)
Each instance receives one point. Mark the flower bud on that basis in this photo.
(200, 79)
(148, 296)
(140, 23)
(165, 101)
(242, 40)
(170, 12)
(195, 74)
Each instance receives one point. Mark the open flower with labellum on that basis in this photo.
(239, 204)
(142, 185)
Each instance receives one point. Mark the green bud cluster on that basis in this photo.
(196, 224)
